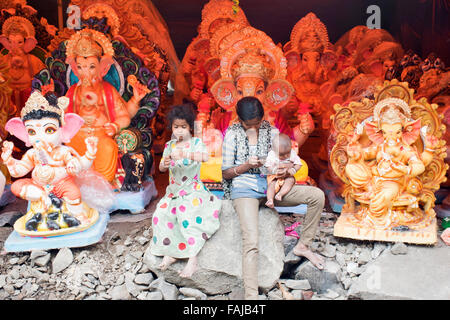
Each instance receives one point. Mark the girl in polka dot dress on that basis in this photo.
(188, 214)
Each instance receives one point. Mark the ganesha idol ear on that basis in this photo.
(328, 59)
(72, 124)
(225, 93)
(293, 59)
(105, 64)
(16, 127)
(5, 42)
(30, 44)
(373, 133)
(278, 93)
(73, 65)
(376, 68)
(411, 132)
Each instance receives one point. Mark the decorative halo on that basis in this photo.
(388, 101)
(16, 21)
(219, 9)
(101, 10)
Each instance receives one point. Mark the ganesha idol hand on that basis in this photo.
(306, 123)
(195, 94)
(7, 150)
(139, 90)
(111, 128)
(73, 167)
(91, 145)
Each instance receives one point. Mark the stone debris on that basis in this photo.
(120, 293)
(62, 260)
(144, 279)
(399, 248)
(122, 270)
(298, 284)
(194, 293)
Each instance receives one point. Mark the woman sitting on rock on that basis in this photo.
(245, 146)
(188, 214)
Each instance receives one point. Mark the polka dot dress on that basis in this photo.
(188, 214)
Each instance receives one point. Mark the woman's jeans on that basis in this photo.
(248, 208)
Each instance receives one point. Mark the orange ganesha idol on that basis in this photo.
(55, 198)
(104, 111)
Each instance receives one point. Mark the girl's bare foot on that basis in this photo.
(301, 250)
(166, 262)
(269, 203)
(190, 268)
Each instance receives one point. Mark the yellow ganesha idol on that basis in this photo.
(390, 178)
(55, 200)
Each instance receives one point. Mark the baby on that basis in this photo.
(278, 161)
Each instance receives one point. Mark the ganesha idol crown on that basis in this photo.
(37, 101)
(392, 114)
(252, 64)
(89, 43)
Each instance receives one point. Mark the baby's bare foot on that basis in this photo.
(278, 197)
(269, 203)
(166, 262)
(303, 251)
(190, 268)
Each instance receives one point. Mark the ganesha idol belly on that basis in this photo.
(55, 207)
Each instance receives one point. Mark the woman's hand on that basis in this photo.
(253, 162)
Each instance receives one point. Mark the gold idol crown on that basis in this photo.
(37, 101)
(89, 43)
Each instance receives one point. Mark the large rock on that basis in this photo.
(220, 260)
(62, 260)
(168, 291)
(422, 273)
(120, 293)
(320, 280)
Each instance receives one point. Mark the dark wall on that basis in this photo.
(409, 21)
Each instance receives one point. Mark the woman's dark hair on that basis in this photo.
(249, 108)
(40, 114)
(184, 112)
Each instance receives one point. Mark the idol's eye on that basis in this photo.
(31, 132)
(50, 130)
(259, 92)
